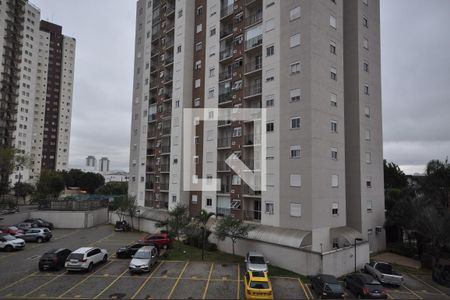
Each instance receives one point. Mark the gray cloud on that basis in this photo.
(415, 71)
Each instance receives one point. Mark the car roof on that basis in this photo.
(328, 278)
(83, 249)
(365, 277)
(258, 274)
(146, 248)
(252, 253)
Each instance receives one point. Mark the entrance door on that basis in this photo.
(257, 210)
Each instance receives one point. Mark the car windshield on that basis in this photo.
(142, 255)
(334, 287)
(257, 260)
(76, 256)
(9, 237)
(259, 285)
(384, 268)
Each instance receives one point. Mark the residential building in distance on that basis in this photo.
(103, 165)
(36, 88)
(309, 64)
(91, 163)
(116, 176)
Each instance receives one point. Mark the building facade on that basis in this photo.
(299, 60)
(36, 89)
(103, 165)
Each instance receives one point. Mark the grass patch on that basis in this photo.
(183, 252)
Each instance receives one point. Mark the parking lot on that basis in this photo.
(20, 277)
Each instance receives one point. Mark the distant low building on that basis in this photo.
(116, 176)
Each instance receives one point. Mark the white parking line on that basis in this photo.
(427, 284)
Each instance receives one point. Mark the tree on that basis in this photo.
(394, 177)
(113, 188)
(6, 168)
(232, 228)
(127, 206)
(23, 189)
(436, 184)
(48, 188)
(203, 219)
(178, 220)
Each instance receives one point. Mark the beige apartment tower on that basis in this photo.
(309, 64)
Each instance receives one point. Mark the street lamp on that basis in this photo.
(356, 240)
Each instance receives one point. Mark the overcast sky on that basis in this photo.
(415, 70)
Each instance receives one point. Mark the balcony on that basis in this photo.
(170, 9)
(226, 31)
(224, 189)
(224, 142)
(223, 123)
(253, 19)
(252, 215)
(225, 75)
(225, 54)
(164, 186)
(151, 118)
(150, 169)
(226, 11)
(165, 168)
(247, 191)
(253, 67)
(253, 90)
(165, 150)
(149, 186)
(250, 140)
(151, 151)
(165, 131)
(169, 44)
(223, 211)
(151, 134)
(223, 167)
(225, 97)
(254, 42)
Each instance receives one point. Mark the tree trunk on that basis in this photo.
(232, 243)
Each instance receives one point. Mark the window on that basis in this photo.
(208, 201)
(333, 99)
(197, 83)
(367, 111)
(333, 73)
(367, 135)
(270, 76)
(295, 123)
(368, 158)
(334, 153)
(210, 135)
(295, 68)
(295, 95)
(180, 13)
(270, 126)
(295, 180)
(295, 151)
(333, 22)
(270, 100)
(269, 208)
(365, 22)
(270, 24)
(236, 180)
(366, 89)
(178, 48)
(294, 13)
(270, 50)
(366, 2)
(295, 40)
(366, 66)
(198, 64)
(366, 43)
(369, 182)
(211, 93)
(332, 47)
(335, 209)
(295, 210)
(199, 10)
(333, 125)
(198, 46)
(334, 181)
(212, 72)
(369, 207)
(197, 102)
(199, 28)
(212, 31)
(237, 131)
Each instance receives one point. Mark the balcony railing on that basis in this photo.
(165, 149)
(151, 117)
(164, 186)
(150, 168)
(254, 66)
(225, 97)
(252, 90)
(225, 75)
(149, 186)
(166, 130)
(222, 166)
(224, 123)
(254, 42)
(252, 215)
(251, 139)
(226, 11)
(150, 151)
(223, 211)
(224, 142)
(165, 168)
(224, 189)
(253, 19)
(227, 53)
(226, 31)
(248, 191)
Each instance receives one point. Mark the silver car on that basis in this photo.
(255, 262)
(144, 259)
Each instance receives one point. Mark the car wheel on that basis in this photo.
(91, 266)
(105, 258)
(9, 248)
(39, 240)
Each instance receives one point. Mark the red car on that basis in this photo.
(12, 230)
(161, 240)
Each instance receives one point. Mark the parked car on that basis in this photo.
(12, 230)
(9, 242)
(38, 235)
(144, 259)
(40, 222)
(26, 225)
(384, 273)
(161, 240)
(441, 274)
(255, 261)
(257, 285)
(122, 226)
(364, 286)
(129, 251)
(54, 259)
(327, 287)
(84, 259)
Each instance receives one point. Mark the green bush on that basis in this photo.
(403, 249)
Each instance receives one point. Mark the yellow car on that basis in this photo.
(257, 286)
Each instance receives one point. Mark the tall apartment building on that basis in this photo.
(35, 100)
(306, 63)
(103, 165)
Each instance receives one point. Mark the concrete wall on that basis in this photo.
(337, 263)
(73, 219)
(14, 218)
(140, 224)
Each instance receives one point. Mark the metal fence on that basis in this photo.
(77, 205)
